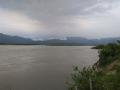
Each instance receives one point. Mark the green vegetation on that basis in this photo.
(109, 53)
(104, 75)
(98, 47)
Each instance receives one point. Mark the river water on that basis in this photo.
(41, 67)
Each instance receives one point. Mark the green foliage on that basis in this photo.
(109, 53)
(85, 79)
(90, 79)
(98, 47)
(94, 79)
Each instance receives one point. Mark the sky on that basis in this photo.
(42, 19)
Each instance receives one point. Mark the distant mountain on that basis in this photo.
(7, 39)
(85, 41)
(58, 42)
(70, 41)
(81, 40)
(78, 41)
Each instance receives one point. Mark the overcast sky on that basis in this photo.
(40, 19)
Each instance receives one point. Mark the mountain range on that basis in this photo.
(69, 41)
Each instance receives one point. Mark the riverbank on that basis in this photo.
(103, 75)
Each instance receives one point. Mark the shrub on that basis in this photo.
(85, 79)
(109, 53)
(92, 79)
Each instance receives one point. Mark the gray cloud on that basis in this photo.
(60, 18)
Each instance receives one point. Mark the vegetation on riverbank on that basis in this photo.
(103, 75)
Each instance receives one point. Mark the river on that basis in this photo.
(41, 67)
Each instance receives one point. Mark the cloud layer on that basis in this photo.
(60, 18)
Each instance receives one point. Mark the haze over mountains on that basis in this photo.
(69, 41)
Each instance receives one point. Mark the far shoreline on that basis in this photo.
(40, 45)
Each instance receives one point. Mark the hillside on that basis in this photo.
(103, 75)
(7, 39)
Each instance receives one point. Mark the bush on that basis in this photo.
(109, 53)
(92, 79)
(98, 47)
(85, 79)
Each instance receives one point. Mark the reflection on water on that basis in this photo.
(41, 67)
